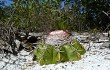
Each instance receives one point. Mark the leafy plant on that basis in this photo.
(47, 54)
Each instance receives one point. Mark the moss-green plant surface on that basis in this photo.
(47, 54)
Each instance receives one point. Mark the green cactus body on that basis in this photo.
(47, 54)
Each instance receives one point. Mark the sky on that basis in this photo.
(9, 2)
(6, 3)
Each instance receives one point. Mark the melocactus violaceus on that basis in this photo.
(58, 38)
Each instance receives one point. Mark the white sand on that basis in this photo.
(96, 58)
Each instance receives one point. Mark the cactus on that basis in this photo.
(47, 54)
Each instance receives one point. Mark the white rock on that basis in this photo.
(106, 44)
(35, 34)
(11, 67)
(2, 64)
(105, 34)
(13, 57)
(26, 58)
(17, 43)
(24, 53)
(103, 40)
(5, 60)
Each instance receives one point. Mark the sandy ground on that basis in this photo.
(97, 57)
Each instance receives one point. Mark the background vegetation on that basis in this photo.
(47, 15)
